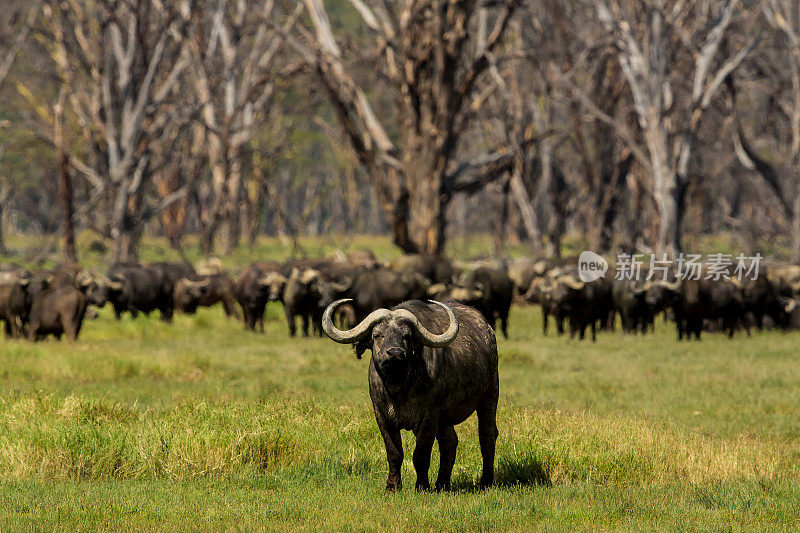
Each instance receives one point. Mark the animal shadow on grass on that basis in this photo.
(520, 471)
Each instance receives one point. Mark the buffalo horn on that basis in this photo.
(350, 335)
(571, 282)
(428, 338)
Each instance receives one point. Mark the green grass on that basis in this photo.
(147, 426)
(201, 425)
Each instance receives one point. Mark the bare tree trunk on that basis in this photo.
(501, 222)
(3, 249)
(127, 230)
(665, 191)
(526, 209)
(208, 233)
(424, 171)
(70, 250)
(126, 248)
(794, 255)
(433, 76)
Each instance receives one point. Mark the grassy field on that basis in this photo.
(201, 425)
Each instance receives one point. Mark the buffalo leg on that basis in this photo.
(504, 324)
(33, 330)
(448, 442)
(487, 436)
(68, 326)
(394, 453)
(290, 322)
(13, 327)
(228, 307)
(422, 455)
(258, 316)
(77, 324)
(304, 321)
(545, 316)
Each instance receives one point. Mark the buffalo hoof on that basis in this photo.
(394, 486)
(422, 486)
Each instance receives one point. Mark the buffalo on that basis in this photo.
(18, 289)
(134, 289)
(14, 305)
(763, 303)
(585, 304)
(437, 268)
(497, 293)
(255, 286)
(695, 301)
(56, 311)
(205, 291)
(427, 382)
(523, 271)
(536, 295)
(301, 299)
(374, 289)
(630, 298)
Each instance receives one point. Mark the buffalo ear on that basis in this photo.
(362, 346)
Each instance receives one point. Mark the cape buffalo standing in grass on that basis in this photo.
(427, 382)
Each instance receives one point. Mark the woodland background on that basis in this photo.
(628, 125)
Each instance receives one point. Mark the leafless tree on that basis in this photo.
(238, 53)
(661, 45)
(430, 64)
(776, 120)
(16, 21)
(118, 63)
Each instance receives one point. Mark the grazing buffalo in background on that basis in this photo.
(362, 258)
(205, 291)
(14, 306)
(763, 303)
(784, 278)
(58, 310)
(301, 299)
(173, 271)
(470, 297)
(585, 304)
(497, 293)
(427, 382)
(136, 289)
(18, 289)
(374, 289)
(523, 271)
(437, 268)
(255, 286)
(694, 301)
(536, 295)
(630, 300)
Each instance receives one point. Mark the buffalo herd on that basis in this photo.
(56, 301)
